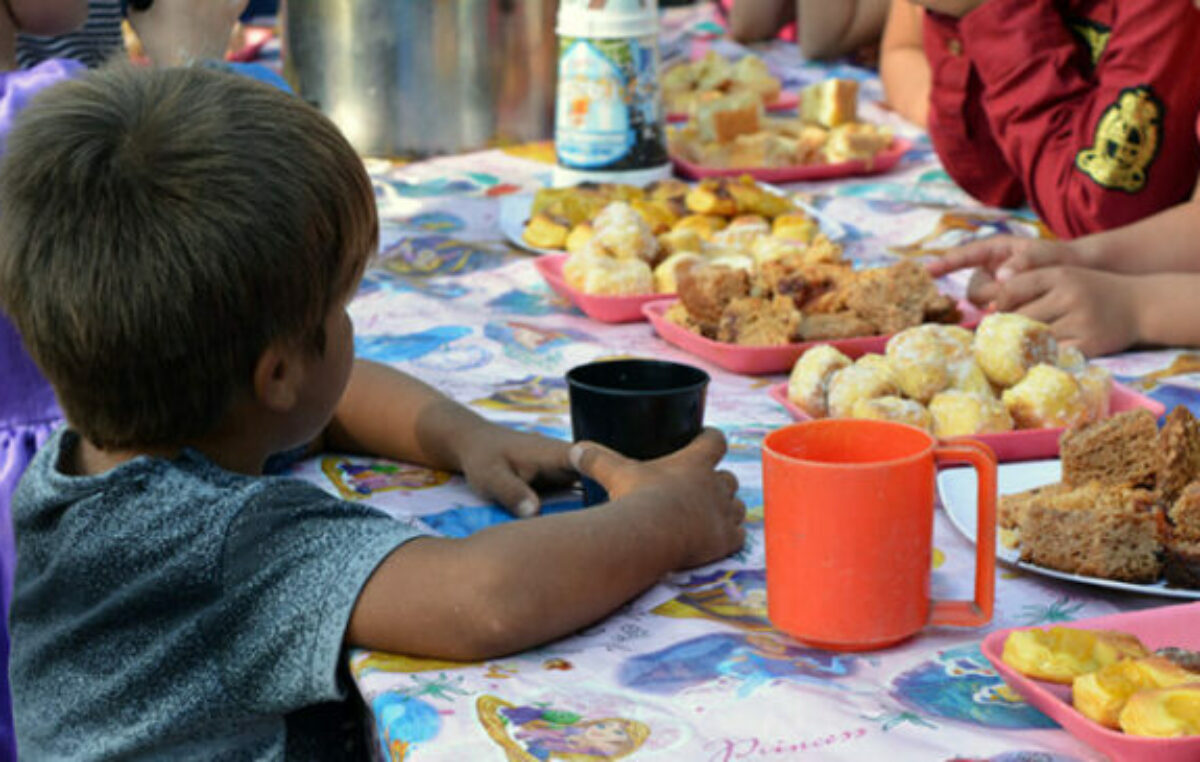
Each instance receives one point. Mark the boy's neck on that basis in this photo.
(232, 446)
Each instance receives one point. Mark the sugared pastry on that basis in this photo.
(958, 414)
(1007, 345)
(1045, 398)
(857, 382)
(1096, 383)
(809, 381)
(605, 276)
(921, 358)
(896, 409)
(624, 234)
(1071, 359)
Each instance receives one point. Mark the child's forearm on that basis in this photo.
(387, 413)
(1165, 242)
(907, 78)
(1167, 310)
(516, 585)
(832, 29)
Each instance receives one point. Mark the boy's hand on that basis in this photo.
(1094, 310)
(177, 32)
(998, 259)
(702, 501)
(501, 464)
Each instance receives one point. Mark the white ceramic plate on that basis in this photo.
(956, 488)
(514, 211)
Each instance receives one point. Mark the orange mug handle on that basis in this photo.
(978, 612)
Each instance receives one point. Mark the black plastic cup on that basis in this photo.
(643, 409)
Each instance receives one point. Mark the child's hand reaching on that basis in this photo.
(701, 501)
(1092, 309)
(502, 464)
(998, 259)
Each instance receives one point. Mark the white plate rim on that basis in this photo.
(962, 518)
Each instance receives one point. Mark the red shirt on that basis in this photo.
(1087, 109)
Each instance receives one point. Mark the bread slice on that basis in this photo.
(723, 118)
(830, 102)
(1179, 444)
(1117, 451)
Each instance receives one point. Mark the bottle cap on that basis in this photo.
(607, 18)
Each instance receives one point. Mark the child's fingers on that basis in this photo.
(708, 448)
(506, 487)
(597, 461)
(1023, 288)
(982, 288)
(986, 253)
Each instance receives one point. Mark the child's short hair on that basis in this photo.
(160, 228)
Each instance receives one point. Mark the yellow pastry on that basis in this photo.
(1101, 695)
(605, 276)
(1046, 397)
(1060, 654)
(896, 409)
(795, 227)
(921, 357)
(624, 234)
(957, 414)
(857, 382)
(808, 383)
(1007, 345)
(666, 274)
(1163, 713)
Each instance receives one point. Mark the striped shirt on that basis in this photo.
(91, 44)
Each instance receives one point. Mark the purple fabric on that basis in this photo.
(28, 410)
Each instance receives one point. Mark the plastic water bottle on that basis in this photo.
(609, 121)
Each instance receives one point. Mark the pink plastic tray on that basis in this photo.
(757, 361)
(1024, 444)
(883, 161)
(1177, 625)
(606, 309)
(785, 101)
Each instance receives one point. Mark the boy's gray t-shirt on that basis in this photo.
(169, 609)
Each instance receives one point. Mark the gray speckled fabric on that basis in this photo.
(169, 609)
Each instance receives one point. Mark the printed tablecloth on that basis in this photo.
(692, 670)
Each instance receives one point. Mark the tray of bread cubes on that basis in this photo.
(731, 134)
(1121, 509)
(1128, 685)
(1008, 385)
(625, 244)
(686, 85)
(758, 316)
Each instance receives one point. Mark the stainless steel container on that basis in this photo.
(411, 78)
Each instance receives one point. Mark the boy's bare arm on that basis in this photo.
(1164, 242)
(905, 71)
(754, 20)
(514, 586)
(829, 29)
(390, 414)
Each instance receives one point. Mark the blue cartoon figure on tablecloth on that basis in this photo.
(539, 732)
(733, 596)
(747, 660)
(356, 479)
(959, 684)
(403, 722)
(531, 394)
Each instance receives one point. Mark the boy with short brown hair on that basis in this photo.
(178, 249)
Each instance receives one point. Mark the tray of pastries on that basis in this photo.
(730, 134)
(1128, 685)
(1007, 384)
(760, 314)
(685, 85)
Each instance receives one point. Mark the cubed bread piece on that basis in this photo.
(723, 118)
(1121, 450)
(1113, 542)
(1179, 443)
(808, 383)
(830, 102)
(706, 289)
(758, 322)
(1010, 509)
(666, 278)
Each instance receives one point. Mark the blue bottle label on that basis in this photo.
(607, 115)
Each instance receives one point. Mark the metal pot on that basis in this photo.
(410, 78)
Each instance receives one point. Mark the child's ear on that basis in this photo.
(278, 377)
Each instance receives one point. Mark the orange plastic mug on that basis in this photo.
(849, 532)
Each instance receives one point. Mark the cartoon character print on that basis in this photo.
(961, 685)
(737, 597)
(748, 660)
(1126, 142)
(356, 480)
(539, 733)
(403, 723)
(532, 394)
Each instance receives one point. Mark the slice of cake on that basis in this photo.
(1117, 538)
(1184, 514)
(1179, 442)
(1121, 450)
(723, 118)
(830, 103)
